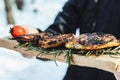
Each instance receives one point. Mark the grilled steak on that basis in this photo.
(91, 41)
(32, 37)
(56, 40)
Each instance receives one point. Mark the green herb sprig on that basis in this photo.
(59, 50)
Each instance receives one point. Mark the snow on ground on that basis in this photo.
(14, 66)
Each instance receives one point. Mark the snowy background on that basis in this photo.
(14, 66)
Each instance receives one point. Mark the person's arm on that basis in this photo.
(67, 20)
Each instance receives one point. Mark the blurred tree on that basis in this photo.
(8, 8)
(19, 4)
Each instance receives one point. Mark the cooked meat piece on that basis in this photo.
(91, 41)
(56, 40)
(32, 37)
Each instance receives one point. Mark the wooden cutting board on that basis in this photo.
(104, 62)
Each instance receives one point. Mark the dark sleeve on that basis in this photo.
(67, 20)
(75, 72)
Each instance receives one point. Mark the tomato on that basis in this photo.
(17, 31)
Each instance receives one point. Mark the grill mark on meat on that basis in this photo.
(51, 42)
(100, 34)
